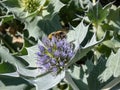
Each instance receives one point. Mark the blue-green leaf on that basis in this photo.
(33, 28)
(12, 87)
(113, 43)
(97, 13)
(57, 5)
(71, 82)
(38, 27)
(82, 51)
(12, 74)
(112, 85)
(50, 24)
(35, 77)
(6, 56)
(11, 4)
(47, 81)
(23, 71)
(31, 57)
(80, 33)
(77, 78)
(112, 67)
(114, 18)
(93, 81)
(77, 35)
(14, 7)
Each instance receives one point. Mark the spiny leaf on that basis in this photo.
(31, 58)
(113, 43)
(97, 13)
(50, 24)
(47, 81)
(33, 28)
(57, 5)
(10, 83)
(18, 10)
(6, 56)
(82, 51)
(77, 78)
(11, 4)
(42, 82)
(28, 73)
(12, 87)
(71, 82)
(12, 74)
(113, 84)
(114, 18)
(14, 7)
(112, 67)
(93, 81)
(38, 27)
(21, 69)
(80, 33)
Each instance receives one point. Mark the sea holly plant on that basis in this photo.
(86, 58)
(51, 59)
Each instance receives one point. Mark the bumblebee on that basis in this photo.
(61, 34)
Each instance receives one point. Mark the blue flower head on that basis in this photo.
(54, 55)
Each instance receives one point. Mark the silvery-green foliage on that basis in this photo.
(35, 76)
(112, 67)
(88, 59)
(13, 87)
